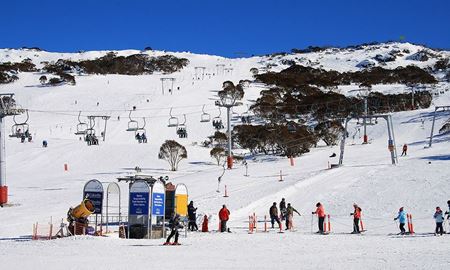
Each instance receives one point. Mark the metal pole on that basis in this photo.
(230, 156)
(162, 86)
(149, 221)
(107, 207)
(390, 139)
(393, 138)
(365, 120)
(2, 153)
(341, 156)
(412, 97)
(432, 127)
(104, 131)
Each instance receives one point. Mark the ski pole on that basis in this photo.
(312, 220)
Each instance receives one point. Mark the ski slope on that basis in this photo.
(39, 187)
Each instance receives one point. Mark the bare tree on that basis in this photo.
(173, 152)
(218, 153)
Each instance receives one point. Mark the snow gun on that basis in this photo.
(77, 216)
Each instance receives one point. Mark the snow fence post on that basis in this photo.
(329, 224)
(265, 223)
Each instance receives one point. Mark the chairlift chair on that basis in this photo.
(181, 129)
(133, 125)
(18, 129)
(173, 121)
(141, 130)
(205, 117)
(217, 121)
(81, 126)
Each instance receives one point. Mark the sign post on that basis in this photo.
(93, 190)
(158, 205)
(138, 211)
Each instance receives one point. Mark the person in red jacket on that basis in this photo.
(405, 148)
(320, 212)
(356, 217)
(224, 215)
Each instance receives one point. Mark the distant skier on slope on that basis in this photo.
(448, 212)
(174, 224)
(402, 219)
(273, 211)
(404, 149)
(283, 209)
(439, 217)
(356, 217)
(320, 212)
(289, 215)
(224, 215)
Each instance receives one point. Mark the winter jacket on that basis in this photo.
(282, 206)
(224, 214)
(405, 147)
(320, 211)
(290, 211)
(439, 216)
(273, 211)
(192, 212)
(174, 222)
(357, 213)
(401, 217)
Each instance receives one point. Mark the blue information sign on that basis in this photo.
(158, 201)
(96, 198)
(139, 203)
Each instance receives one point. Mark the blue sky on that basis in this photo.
(222, 27)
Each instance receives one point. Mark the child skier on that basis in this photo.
(356, 217)
(320, 212)
(273, 212)
(174, 224)
(402, 219)
(439, 217)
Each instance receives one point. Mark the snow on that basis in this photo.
(40, 188)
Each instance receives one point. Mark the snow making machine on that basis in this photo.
(78, 217)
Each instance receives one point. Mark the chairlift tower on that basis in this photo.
(199, 72)
(437, 108)
(92, 123)
(229, 104)
(365, 94)
(7, 108)
(220, 69)
(170, 80)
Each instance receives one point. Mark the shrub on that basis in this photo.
(173, 153)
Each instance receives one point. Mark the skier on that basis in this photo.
(224, 215)
(404, 149)
(356, 217)
(283, 209)
(289, 215)
(192, 214)
(273, 211)
(439, 217)
(174, 224)
(44, 143)
(144, 138)
(138, 138)
(448, 212)
(402, 219)
(320, 212)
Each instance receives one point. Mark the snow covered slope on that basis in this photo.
(40, 188)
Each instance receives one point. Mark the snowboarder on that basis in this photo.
(224, 215)
(356, 217)
(273, 211)
(192, 214)
(320, 212)
(174, 224)
(402, 219)
(283, 209)
(439, 217)
(404, 149)
(289, 215)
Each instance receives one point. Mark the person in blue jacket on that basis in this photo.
(402, 219)
(439, 217)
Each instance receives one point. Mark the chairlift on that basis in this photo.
(217, 121)
(133, 125)
(90, 137)
(141, 132)
(81, 126)
(205, 117)
(20, 129)
(173, 121)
